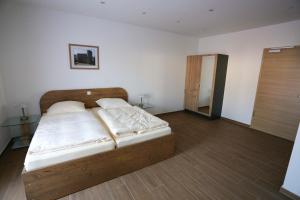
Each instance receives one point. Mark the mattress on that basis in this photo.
(138, 138)
(38, 156)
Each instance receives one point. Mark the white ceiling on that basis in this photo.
(189, 17)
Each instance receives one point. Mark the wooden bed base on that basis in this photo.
(66, 178)
(62, 179)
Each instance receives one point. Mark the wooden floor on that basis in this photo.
(214, 160)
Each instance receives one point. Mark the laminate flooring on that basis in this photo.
(214, 160)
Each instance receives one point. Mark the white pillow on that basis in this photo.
(112, 103)
(66, 107)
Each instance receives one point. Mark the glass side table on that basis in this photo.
(27, 128)
(144, 106)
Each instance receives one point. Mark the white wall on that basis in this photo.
(34, 57)
(292, 177)
(4, 133)
(245, 50)
(207, 74)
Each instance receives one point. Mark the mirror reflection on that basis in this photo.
(206, 84)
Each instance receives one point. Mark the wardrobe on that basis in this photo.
(205, 83)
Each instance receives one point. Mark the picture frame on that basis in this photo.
(83, 56)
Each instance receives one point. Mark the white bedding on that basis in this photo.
(37, 161)
(69, 136)
(137, 138)
(68, 130)
(125, 121)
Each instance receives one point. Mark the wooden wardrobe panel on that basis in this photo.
(192, 81)
(191, 100)
(277, 104)
(193, 72)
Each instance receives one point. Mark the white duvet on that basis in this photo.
(68, 130)
(127, 120)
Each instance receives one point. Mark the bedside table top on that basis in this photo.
(15, 121)
(144, 106)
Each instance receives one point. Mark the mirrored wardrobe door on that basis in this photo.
(206, 88)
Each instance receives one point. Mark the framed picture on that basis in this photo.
(83, 56)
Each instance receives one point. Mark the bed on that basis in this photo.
(54, 173)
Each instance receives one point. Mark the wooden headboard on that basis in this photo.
(54, 96)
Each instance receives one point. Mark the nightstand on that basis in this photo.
(25, 126)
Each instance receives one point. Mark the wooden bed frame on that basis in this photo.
(62, 179)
